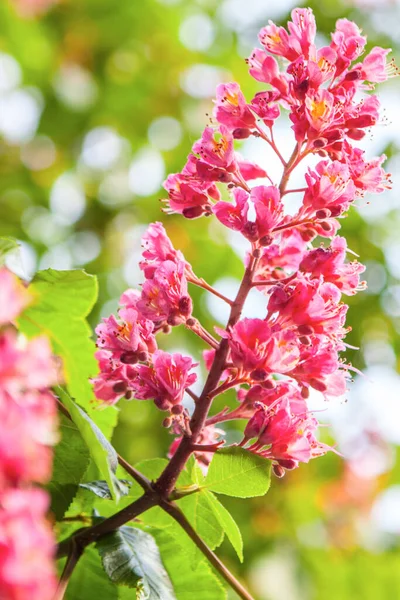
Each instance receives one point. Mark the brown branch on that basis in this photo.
(74, 554)
(166, 482)
(175, 512)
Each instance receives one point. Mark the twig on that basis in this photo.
(175, 512)
(206, 286)
(74, 554)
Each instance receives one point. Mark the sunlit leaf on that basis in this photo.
(238, 472)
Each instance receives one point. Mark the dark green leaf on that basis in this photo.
(238, 472)
(102, 452)
(101, 489)
(71, 459)
(90, 581)
(62, 301)
(131, 557)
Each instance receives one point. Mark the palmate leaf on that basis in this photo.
(62, 301)
(131, 557)
(71, 459)
(237, 472)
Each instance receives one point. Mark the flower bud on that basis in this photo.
(185, 305)
(305, 329)
(323, 213)
(266, 240)
(278, 471)
(119, 387)
(305, 392)
(259, 374)
(193, 212)
(241, 133)
(162, 404)
(250, 230)
(177, 409)
(143, 356)
(129, 358)
(167, 422)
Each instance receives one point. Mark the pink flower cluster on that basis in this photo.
(130, 362)
(27, 430)
(296, 345)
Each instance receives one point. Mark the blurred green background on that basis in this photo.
(99, 101)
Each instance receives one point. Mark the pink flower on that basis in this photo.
(265, 106)
(249, 170)
(233, 216)
(364, 114)
(231, 108)
(189, 193)
(157, 247)
(330, 263)
(374, 68)
(282, 257)
(27, 547)
(320, 368)
(268, 207)
(14, 297)
(25, 364)
(284, 437)
(302, 33)
(165, 296)
(216, 148)
(348, 43)
(308, 303)
(320, 109)
(256, 348)
(129, 338)
(329, 187)
(264, 68)
(166, 380)
(368, 176)
(27, 430)
(114, 380)
(250, 341)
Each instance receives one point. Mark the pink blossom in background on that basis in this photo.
(27, 546)
(28, 429)
(13, 296)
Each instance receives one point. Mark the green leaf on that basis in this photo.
(71, 459)
(226, 521)
(7, 244)
(201, 516)
(131, 557)
(89, 580)
(102, 452)
(100, 488)
(238, 472)
(189, 584)
(62, 301)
